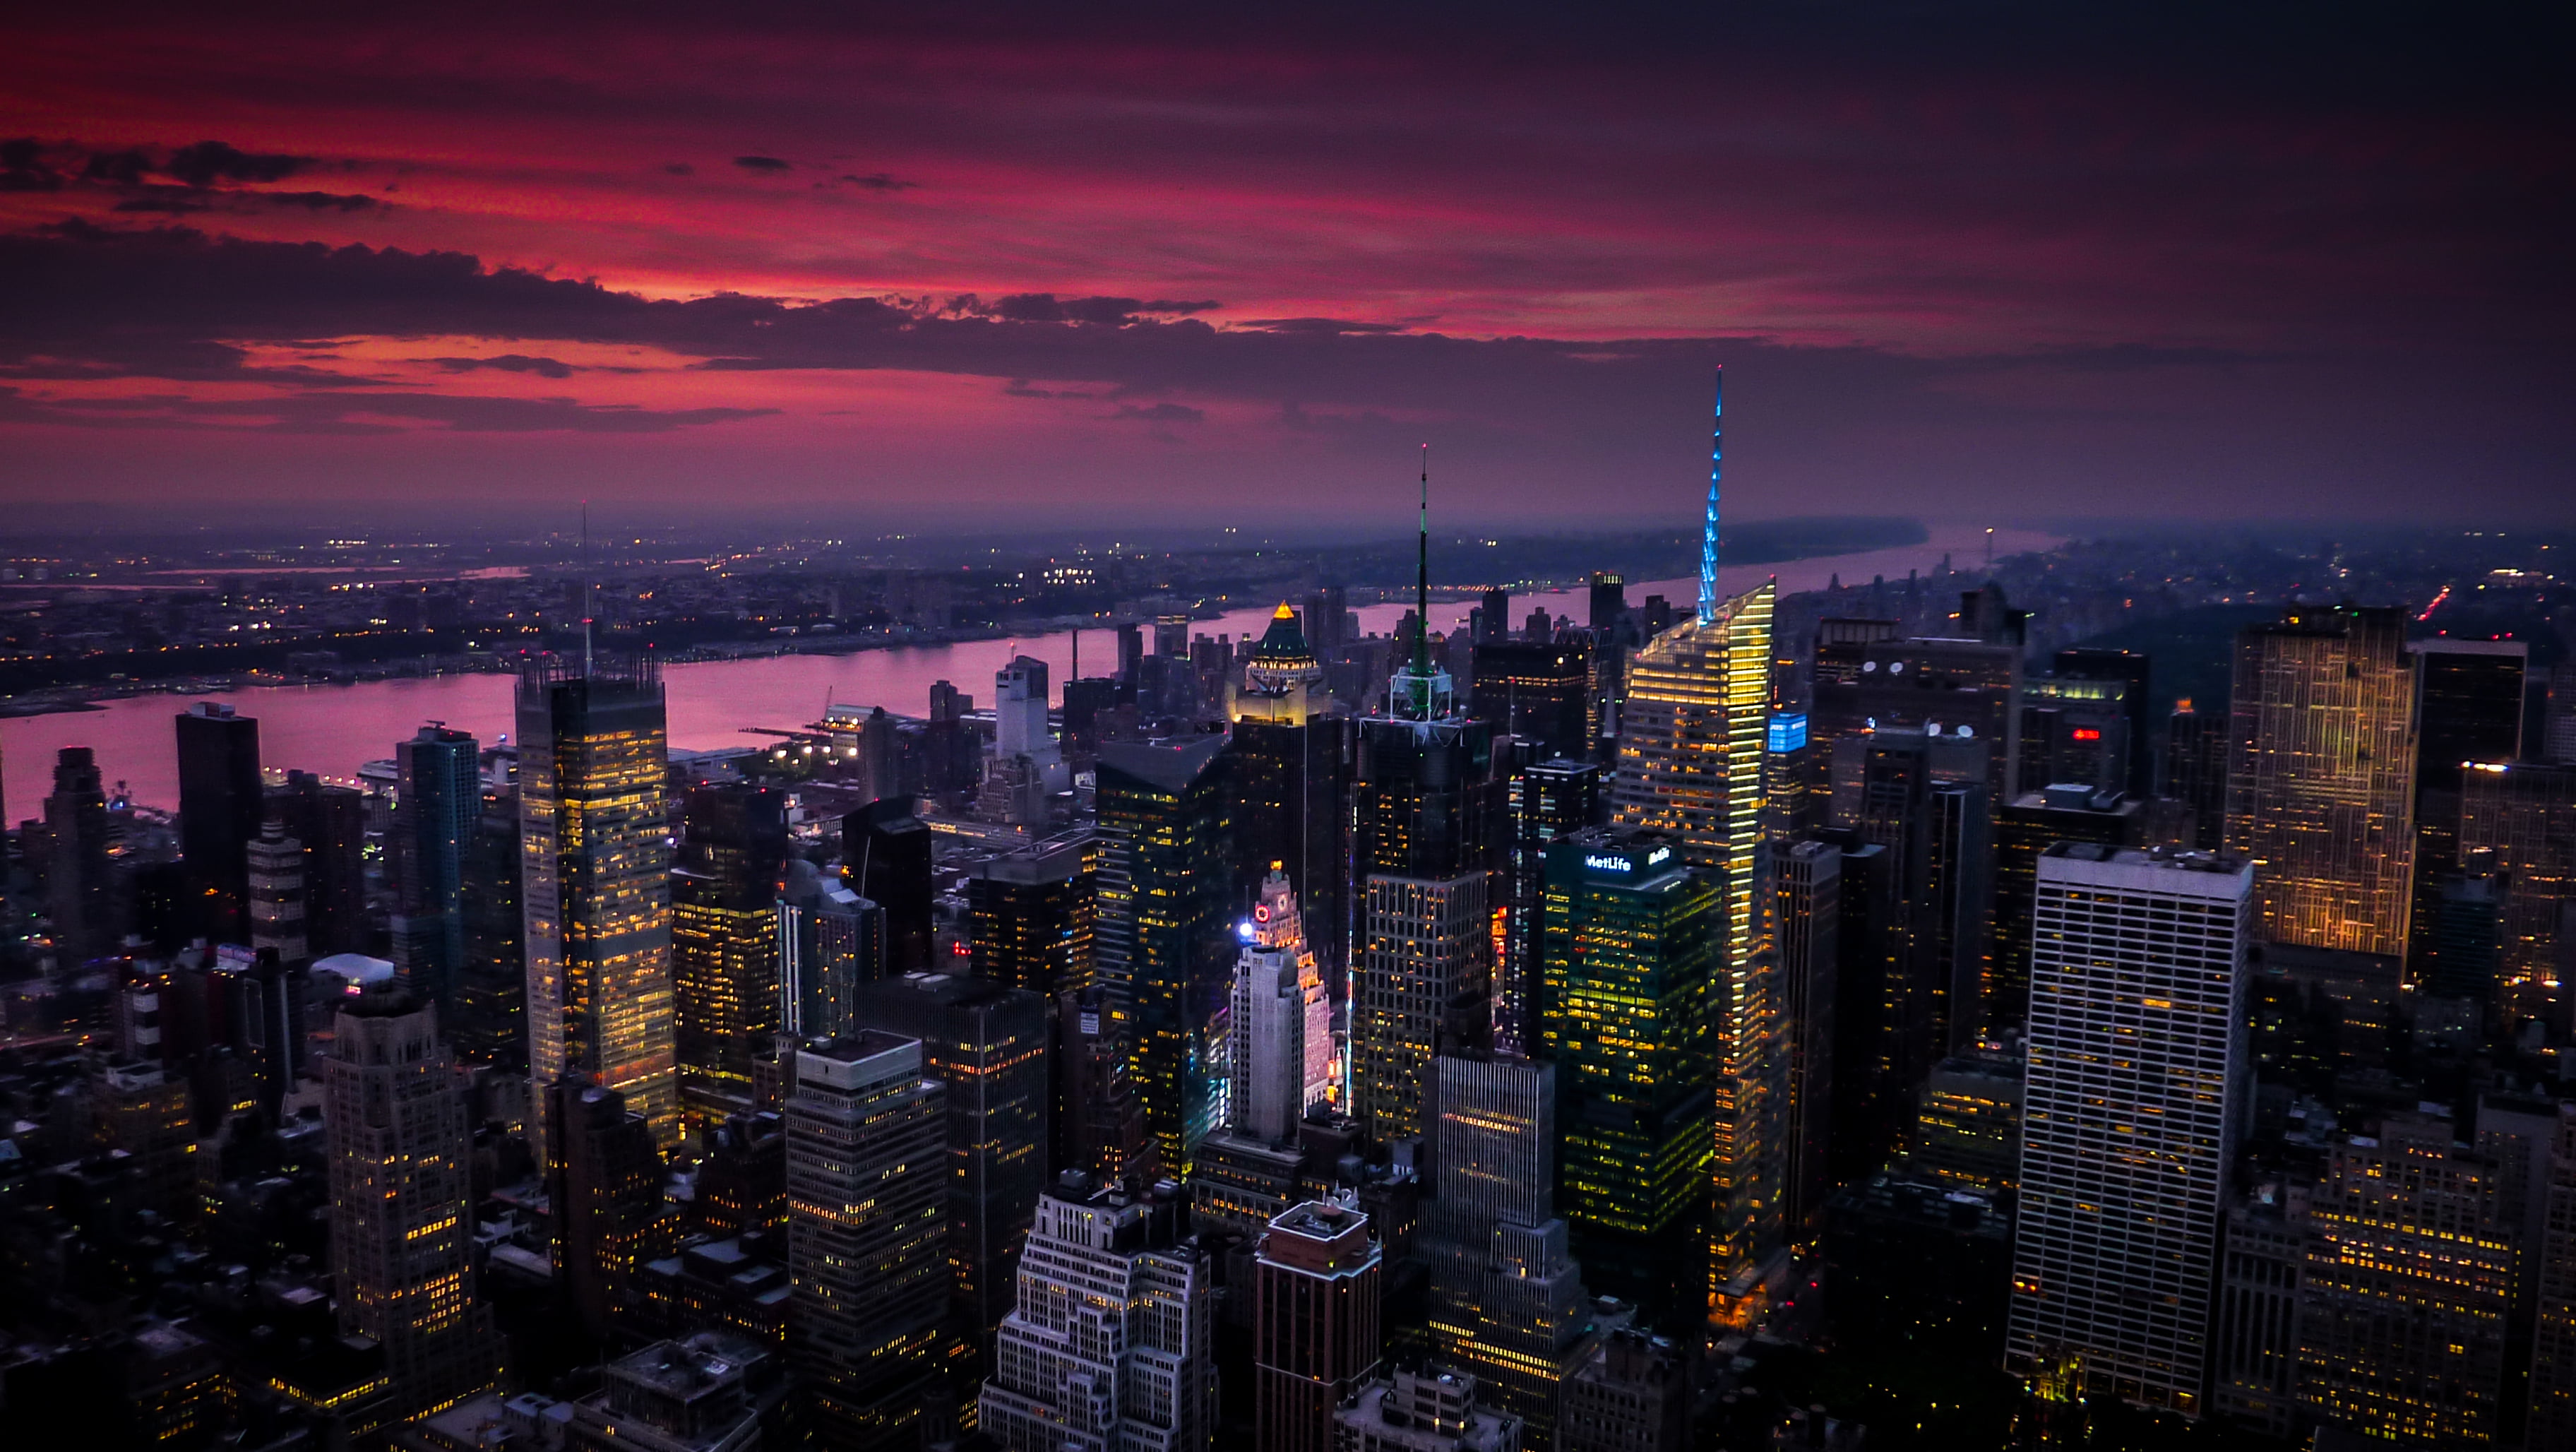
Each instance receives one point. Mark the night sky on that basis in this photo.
(1026, 266)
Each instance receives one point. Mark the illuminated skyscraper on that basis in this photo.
(2321, 776)
(1281, 1058)
(1164, 936)
(1626, 1013)
(1113, 1345)
(2402, 1301)
(2138, 1076)
(724, 944)
(1030, 914)
(1288, 773)
(436, 810)
(1427, 805)
(2522, 820)
(1427, 810)
(2553, 1246)
(1508, 1302)
(867, 1188)
(1692, 768)
(1315, 1289)
(1547, 801)
(402, 1228)
(595, 886)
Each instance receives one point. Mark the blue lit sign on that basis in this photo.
(1788, 731)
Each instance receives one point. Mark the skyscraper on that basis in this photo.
(1315, 1299)
(1280, 1062)
(1627, 1013)
(2521, 820)
(2138, 1073)
(986, 1043)
(79, 892)
(2130, 676)
(2321, 776)
(1967, 684)
(438, 805)
(2403, 1298)
(277, 895)
(1547, 802)
(1922, 798)
(604, 1185)
(2195, 771)
(1031, 914)
(1426, 814)
(1691, 767)
(330, 820)
(220, 809)
(1539, 691)
(830, 940)
(724, 943)
(1508, 1302)
(2553, 1246)
(2468, 706)
(1164, 934)
(1808, 876)
(595, 887)
(2023, 830)
(885, 854)
(1112, 1345)
(866, 1188)
(402, 1237)
(1288, 773)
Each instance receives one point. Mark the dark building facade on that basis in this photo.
(438, 809)
(885, 855)
(221, 806)
(987, 1043)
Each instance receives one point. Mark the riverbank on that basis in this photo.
(334, 727)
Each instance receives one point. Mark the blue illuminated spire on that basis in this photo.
(1708, 531)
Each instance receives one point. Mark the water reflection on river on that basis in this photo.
(332, 729)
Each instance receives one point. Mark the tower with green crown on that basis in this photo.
(1427, 823)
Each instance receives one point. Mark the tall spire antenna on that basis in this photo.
(1422, 578)
(585, 590)
(1708, 530)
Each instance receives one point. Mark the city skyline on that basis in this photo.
(1937, 975)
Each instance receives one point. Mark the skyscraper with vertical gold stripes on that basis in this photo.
(1691, 767)
(595, 886)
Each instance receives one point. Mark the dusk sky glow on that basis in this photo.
(1027, 267)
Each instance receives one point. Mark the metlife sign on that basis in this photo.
(1625, 864)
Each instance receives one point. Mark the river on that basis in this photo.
(332, 729)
